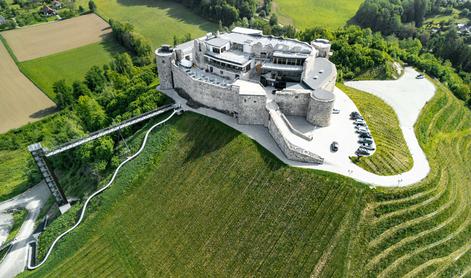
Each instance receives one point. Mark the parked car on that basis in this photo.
(420, 76)
(334, 146)
(367, 147)
(359, 122)
(335, 111)
(361, 127)
(362, 152)
(365, 135)
(365, 141)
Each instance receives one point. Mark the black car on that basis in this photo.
(334, 146)
(361, 152)
(365, 141)
(365, 135)
(367, 147)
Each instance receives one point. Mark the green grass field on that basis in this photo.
(157, 20)
(392, 155)
(13, 172)
(70, 65)
(206, 200)
(311, 13)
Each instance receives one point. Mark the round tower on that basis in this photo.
(322, 46)
(164, 56)
(320, 107)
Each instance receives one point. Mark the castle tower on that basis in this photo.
(319, 110)
(323, 47)
(164, 56)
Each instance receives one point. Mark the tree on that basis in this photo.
(80, 89)
(91, 112)
(95, 79)
(273, 20)
(92, 6)
(122, 63)
(63, 93)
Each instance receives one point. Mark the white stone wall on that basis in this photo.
(252, 110)
(319, 111)
(211, 95)
(293, 102)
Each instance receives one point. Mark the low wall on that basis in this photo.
(280, 133)
(294, 130)
(210, 95)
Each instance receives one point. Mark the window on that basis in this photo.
(216, 50)
(222, 72)
(211, 69)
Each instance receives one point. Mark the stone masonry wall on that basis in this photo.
(293, 102)
(252, 110)
(211, 95)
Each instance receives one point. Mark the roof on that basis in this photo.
(247, 31)
(234, 57)
(217, 42)
(290, 54)
(277, 43)
(250, 88)
(323, 70)
(272, 66)
(323, 95)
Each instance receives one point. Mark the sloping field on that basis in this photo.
(20, 101)
(392, 155)
(311, 13)
(49, 38)
(205, 200)
(157, 20)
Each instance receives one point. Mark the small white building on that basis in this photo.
(256, 78)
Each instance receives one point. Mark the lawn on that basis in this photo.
(392, 155)
(14, 172)
(204, 200)
(70, 65)
(157, 20)
(310, 13)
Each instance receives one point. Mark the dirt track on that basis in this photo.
(20, 101)
(49, 38)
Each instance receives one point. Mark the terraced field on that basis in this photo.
(426, 230)
(392, 155)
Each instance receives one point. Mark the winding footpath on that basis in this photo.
(32, 200)
(84, 208)
(406, 96)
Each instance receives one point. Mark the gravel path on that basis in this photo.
(406, 96)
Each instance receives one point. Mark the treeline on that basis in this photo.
(124, 33)
(402, 17)
(358, 50)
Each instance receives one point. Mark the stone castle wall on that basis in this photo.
(293, 102)
(164, 67)
(211, 95)
(252, 110)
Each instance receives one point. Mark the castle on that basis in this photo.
(257, 79)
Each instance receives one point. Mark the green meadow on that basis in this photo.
(157, 20)
(70, 65)
(310, 13)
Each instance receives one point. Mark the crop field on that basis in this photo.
(204, 199)
(21, 101)
(70, 65)
(46, 39)
(157, 20)
(311, 13)
(392, 155)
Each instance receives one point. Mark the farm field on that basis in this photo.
(21, 101)
(392, 155)
(310, 13)
(210, 200)
(46, 39)
(157, 20)
(70, 65)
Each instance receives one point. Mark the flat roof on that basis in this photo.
(217, 42)
(323, 69)
(277, 43)
(250, 88)
(323, 95)
(273, 66)
(235, 57)
(290, 54)
(247, 31)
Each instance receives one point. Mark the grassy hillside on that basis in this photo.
(426, 229)
(157, 20)
(392, 155)
(204, 199)
(14, 170)
(310, 13)
(70, 65)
